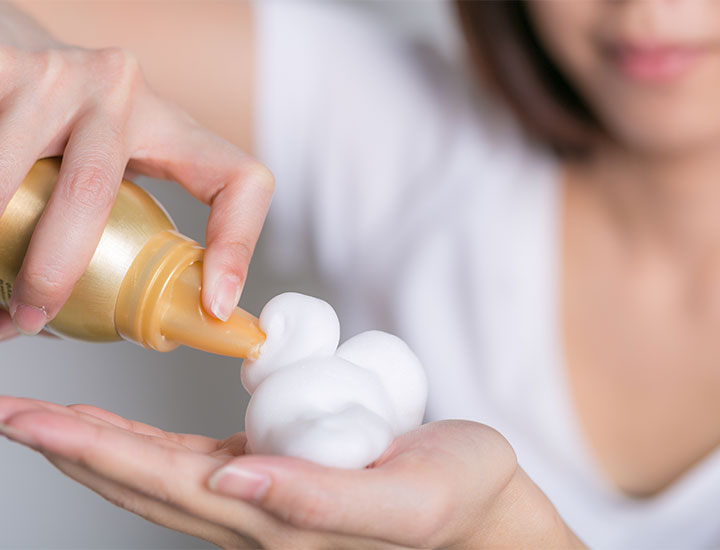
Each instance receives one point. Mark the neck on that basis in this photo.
(673, 200)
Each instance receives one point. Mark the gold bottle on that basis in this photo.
(143, 282)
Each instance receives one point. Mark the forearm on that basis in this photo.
(197, 54)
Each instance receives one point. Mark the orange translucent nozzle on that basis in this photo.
(159, 303)
(184, 321)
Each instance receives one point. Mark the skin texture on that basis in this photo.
(461, 477)
(641, 238)
(640, 298)
(96, 107)
(166, 477)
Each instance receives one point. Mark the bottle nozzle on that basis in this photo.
(159, 304)
(185, 321)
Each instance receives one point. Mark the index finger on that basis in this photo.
(236, 187)
(174, 476)
(70, 227)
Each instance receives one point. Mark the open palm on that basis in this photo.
(452, 484)
(128, 463)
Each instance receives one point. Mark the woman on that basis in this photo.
(566, 299)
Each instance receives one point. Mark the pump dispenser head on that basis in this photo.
(143, 282)
(159, 304)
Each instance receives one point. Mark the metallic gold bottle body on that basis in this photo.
(89, 314)
(143, 282)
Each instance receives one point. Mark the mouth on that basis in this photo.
(653, 63)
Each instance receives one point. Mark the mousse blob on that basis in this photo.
(336, 406)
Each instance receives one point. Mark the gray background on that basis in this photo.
(184, 390)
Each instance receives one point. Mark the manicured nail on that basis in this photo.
(17, 435)
(237, 482)
(29, 320)
(227, 295)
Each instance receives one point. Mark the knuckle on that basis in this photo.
(120, 67)
(429, 532)
(12, 59)
(46, 281)
(158, 486)
(240, 252)
(159, 489)
(7, 60)
(51, 67)
(125, 499)
(88, 188)
(118, 60)
(236, 540)
(307, 511)
(432, 518)
(155, 486)
(87, 455)
(277, 537)
(257, 174)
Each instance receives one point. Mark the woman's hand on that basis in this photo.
(448, 484)
(95, 108)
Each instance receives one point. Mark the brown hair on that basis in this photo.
(510, 59)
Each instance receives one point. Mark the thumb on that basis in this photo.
(413, 497)
(368, 503)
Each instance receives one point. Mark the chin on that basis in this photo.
(666, 141)
(665, 132)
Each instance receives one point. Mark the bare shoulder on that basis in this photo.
(197, 53)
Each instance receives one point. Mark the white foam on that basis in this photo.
(335, 406)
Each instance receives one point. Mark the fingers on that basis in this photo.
(150, 509)
(7, 329)
(197, 443)
(390, 504)
(110, 452)
(171, 475)
(23, 135)
(412, 497)
(11, 406)
(237, 188)
(69, 229)
(18, 149)
(169, 516)
(97, 102)
(237, 213)
(165, 143)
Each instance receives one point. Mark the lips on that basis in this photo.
(654, 63)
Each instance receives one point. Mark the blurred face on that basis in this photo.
(650, 69)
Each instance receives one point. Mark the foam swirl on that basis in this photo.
(337, 406)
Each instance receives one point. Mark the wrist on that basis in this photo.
(523, 516)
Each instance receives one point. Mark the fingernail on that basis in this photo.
(17, 435)
(227, 295)
(237, 482)
(29, 320)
